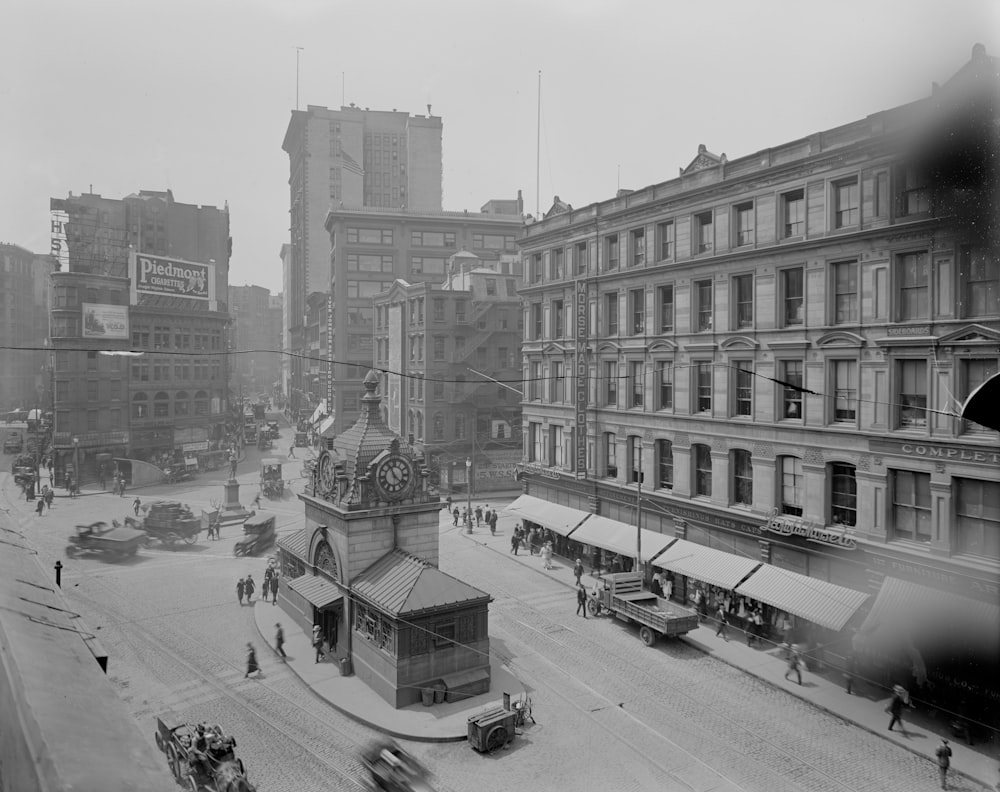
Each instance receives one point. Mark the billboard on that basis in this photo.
(104, 321)
(59, 246)
(171, 277)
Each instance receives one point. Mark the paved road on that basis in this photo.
(612, 714)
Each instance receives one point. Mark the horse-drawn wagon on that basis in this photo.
(201, 758)
(169, 522)
(272, 485)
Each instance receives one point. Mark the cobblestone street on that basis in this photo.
(612, 713)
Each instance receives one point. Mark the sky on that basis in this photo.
(195, 95)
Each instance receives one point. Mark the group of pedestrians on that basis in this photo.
(45, 499)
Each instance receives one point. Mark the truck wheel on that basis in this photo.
(159, 741)
(191, 538)
(239, 550)
(72, 551)
(647, 636)
(594, 607)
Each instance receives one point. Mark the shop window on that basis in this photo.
(140, 406)
(181, 403)
(161, 405)
(201, 403)
(911, 505)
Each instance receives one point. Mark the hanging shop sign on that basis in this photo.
(580, 379)
(788, 525)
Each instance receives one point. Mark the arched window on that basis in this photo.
(791, 485)
(843, 495)
(182, 403)
(701, 456)
(742, 478)
(438, 426)
(140, 405)
(161, 405)
(460, 426)
(201, 403)
(419, 431)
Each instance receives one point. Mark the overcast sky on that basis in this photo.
(195, 95)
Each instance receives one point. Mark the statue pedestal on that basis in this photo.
(232, 510)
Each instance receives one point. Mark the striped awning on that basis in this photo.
(715, 567)
(621, 538)
(317, 590)
(822, 603)
(560, 519)
(295, 543)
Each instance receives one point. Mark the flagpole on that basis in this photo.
(538, 151)
(297, 51)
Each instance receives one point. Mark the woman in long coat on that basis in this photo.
(239, 590)
(252, 666)
(249, 588)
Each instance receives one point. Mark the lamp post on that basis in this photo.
(76, 463)
(468, 492)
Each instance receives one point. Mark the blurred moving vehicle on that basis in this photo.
(272, 485)
(258, 535)
(391, 769)
(98, 537)
(13, 443)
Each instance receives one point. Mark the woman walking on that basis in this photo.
(239, 590)
(249, 588)
(252, 667)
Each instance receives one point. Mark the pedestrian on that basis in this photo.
(487, 514)
(448, 504)
(578, 570)
(239, 590)
(249, 587)
(720, 615)
(849, 673)
(546, 553)
(943, 754)
(479, 516)
(291, 451)
(102, 477)
(39, 506)
(274, 589)
(895, 708)
(756, 628)
(135, 505)
(318, 642)
(49, 496)
(121, 487)
(581, 600)
(252, 667)
(279, 641)
(455, 515)
(515, 542)
(256, 501)
(795, 664)
(493, 523)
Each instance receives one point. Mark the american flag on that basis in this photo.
(351, 164)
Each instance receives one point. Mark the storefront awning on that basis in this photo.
(715, 567)
(561, 519)
(295, 543)
(620, 537)
(318, 412)
(920, 613)
(822, 603)
(316, 590)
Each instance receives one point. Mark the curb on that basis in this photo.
(818, 706)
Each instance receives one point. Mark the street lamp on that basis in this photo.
(76, 463)
(468, 492)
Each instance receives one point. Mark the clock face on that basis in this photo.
(393, 476)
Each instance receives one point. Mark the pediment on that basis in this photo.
(663, 345)
(971, 334)
(703, 160)
(605, 347)
(554, 349)
(840, 338)
(738, 342)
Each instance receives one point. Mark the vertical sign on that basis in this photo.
(59, 222)
(580, 378)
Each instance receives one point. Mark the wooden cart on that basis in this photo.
(491, 729)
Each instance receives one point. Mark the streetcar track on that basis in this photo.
(657, 681)
(224, 691)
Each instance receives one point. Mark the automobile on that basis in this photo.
(17, 416)
(13, 443)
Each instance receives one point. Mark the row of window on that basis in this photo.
(652, 384)
(162, 406)
(73, 296)
(491, 428)
(167, 370)
(975, 529)
(847, 209)
(165, 337)
(905, 292)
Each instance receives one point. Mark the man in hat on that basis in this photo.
(279, 640)
(943, 754)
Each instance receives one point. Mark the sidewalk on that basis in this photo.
(443, 722)
(865, 709)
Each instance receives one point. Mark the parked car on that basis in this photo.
(13, 443)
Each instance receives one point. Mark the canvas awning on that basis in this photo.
(621, 538)
(319, 411)
(715, 567)
(316, 590)
(818, 601)
(920, 613)
(560, 519)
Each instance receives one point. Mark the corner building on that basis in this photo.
(768, 353)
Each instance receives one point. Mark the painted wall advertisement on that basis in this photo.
(171, 277)
(580, 379)
(105, 321)
(59, 245)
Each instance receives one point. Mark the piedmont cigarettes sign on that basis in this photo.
(172, 277)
